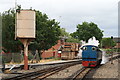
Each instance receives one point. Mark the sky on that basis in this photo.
(70, 13)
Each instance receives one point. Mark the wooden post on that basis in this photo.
(26, 43)
(25, 55)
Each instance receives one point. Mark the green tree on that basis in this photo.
(86, 30)
(71, 39)
(107, 43)
(64, 33)
(67, 36)
(47, 32)
(8, 32)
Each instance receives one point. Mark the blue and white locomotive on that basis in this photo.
(91, 56)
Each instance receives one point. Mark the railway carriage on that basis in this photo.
(91, 56)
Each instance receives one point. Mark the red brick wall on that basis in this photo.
(47, 54)
(54, 49)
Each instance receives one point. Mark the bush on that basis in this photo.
(109, 51)
(30, 56)
(7, 57)
(14, 57)
(57, 58)
(17, 58)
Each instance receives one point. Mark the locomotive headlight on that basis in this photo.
(93, 48)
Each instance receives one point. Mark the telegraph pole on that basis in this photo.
(111, 50)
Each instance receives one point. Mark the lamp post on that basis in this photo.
(111, 50)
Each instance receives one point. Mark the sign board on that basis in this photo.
(25, 27)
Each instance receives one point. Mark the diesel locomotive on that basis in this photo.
(91, 56)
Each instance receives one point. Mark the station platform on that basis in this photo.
(7, 66)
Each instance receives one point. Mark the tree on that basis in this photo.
(8, 32)
(86, 30)
(64, 33)
(68, 37)
(71, 39)
(107, 43)
(47, 32)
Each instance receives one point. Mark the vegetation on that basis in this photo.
(68, 37)
(71, 39)
(107, 43)
(64, 33)
(47, 32)
(86, 30)
(8, 32)
(110, 51)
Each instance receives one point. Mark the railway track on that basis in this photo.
(80, 74)
(41, 74)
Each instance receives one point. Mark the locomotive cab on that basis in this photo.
(91, 56)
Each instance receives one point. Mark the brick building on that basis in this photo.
(61, 49)
(53, 51)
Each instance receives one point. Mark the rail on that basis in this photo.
(41, 74)
(80, 74)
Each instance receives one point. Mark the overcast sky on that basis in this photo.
(72, 12)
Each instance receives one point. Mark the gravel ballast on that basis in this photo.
(105, 71)
(17, 72)
(66, 72)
